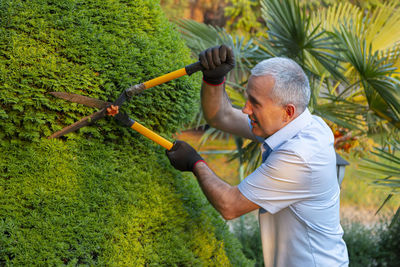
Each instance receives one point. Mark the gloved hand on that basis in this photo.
(182, 156)
(217, 61)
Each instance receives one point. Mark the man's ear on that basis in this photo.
(290, 112)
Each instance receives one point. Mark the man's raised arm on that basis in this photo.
(217, 109)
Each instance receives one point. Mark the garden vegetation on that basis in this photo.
(104, 195)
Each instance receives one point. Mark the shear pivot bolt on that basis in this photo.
(112, 110)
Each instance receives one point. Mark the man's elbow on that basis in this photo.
(219, 118)
(213, 122)
(229, 216)
(234, 205)
(228, 212)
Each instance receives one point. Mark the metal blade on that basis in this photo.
(80, 99)
(79, 124)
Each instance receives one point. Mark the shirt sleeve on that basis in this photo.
(283, 179)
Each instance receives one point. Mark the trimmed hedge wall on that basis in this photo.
(90, 203)
(104, 195)
(95, 48)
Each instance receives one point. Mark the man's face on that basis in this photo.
(267, 117)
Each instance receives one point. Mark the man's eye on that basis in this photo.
(253, 102)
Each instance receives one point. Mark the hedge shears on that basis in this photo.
(112, 108)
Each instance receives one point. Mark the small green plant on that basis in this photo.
(376, 246)
(362, 245)
(247, 231)
(389, 244)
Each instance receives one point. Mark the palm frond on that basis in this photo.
(379, 27)
(200, 36)
(250, 156)
(375, 76)
(342, 112)
(291, 34)
(382, 153)
(392, 54)
(212, 134)
(383, 29)
(384, 202)
(387, 167)
(340, 13)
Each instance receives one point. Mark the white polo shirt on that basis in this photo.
(298, 192)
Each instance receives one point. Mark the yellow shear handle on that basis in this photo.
(152, 135)
(165, 78)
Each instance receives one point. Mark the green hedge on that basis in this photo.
(88, 203)
(104, 195)
(95, 48)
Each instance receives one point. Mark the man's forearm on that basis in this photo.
(226, 199)
(216, 190)
(220, 114)
(215, 103)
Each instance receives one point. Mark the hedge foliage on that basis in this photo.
(87, 203)
(104, 196)
(95, 48)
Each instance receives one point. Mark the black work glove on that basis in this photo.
(182, 156)
(217, 61)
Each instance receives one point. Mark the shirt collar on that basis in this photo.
(289, 130)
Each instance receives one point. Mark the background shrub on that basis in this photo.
(104, 195)
(376, 246)
(247, 231)
(389, 245)
(362, 244)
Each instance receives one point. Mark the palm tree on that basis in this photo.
(370, 63)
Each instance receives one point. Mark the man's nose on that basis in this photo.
(247, 109)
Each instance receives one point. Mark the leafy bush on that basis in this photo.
(247, 231)
(105, 195)
(389, 245)
(96, 48)
(90, 203)
(362, 245)
(377, 246)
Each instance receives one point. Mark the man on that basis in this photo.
(295, 188)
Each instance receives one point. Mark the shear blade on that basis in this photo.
(79, 124)
(80, 99)
(84, 100)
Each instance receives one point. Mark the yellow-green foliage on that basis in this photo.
(104, 196)
(90, 203)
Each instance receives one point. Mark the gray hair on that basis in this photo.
(291, 83)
